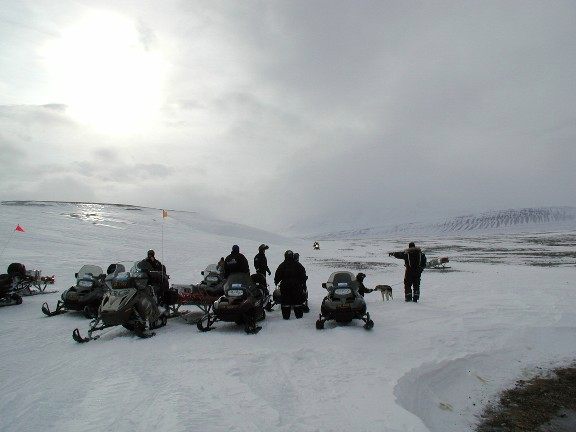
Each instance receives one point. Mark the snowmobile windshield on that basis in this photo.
(337, 278)
(95, 271)
(212, 268)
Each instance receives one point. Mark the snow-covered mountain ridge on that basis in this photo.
(499, 221)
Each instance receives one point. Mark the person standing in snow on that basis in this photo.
(291, 276)
(235, 263)
(260, 261)
(415, 263)
(305, 307)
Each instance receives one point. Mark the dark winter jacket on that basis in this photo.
(291, 276)
(235, 263)
(414, 259)
(362, 288)
(261, 263)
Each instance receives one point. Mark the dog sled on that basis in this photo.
(438, 263)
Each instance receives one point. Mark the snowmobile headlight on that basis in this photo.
(212, 278)
(235, 292)
(85, 283)
(342, 291)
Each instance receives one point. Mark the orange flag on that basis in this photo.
(19, 228)
(164, 214)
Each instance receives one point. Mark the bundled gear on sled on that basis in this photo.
(242, 303)
(85, 296)
(28, 282)
(130, 302)
(343, 302)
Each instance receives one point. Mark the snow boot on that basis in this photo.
(286, 312)
(408, 298)
(298, 312)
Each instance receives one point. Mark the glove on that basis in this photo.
(269, 272)
(390, 253)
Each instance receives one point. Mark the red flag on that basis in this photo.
(19, 228)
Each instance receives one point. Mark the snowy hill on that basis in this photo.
(430, 366)
(502, 221)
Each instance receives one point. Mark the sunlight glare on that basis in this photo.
(106, 75)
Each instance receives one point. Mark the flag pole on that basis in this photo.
(7, 243)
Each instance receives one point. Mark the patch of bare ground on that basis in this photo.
(546, 403)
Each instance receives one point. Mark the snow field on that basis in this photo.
(424, 367)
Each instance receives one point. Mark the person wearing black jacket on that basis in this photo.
(260, 261)
(415, 263)
(291, 276)
(235, 263)
(361, 287)
(157, 274)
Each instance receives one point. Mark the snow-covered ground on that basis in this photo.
(497, 315)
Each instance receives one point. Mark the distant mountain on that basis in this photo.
(512, 220)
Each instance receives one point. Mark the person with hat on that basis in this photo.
(235, 263)
(157, 274)
(260, 261)
(291, 276)
(415, 263)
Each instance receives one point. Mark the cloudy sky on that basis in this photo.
(303, 113)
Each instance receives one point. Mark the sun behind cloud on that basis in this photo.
(106, 69)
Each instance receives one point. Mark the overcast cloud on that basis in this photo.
(303, 114)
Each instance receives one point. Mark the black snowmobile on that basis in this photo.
(242, 303)
(130, 302)
(85, 296)
(343, 302)
(8, 295)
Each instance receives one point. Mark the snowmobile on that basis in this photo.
(130, 302)
(242, 303)
(8, 296)
(85, 296)
(343, 302)
(28, 282)
(316, 246)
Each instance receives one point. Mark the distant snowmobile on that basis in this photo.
(130, 302)
(85, 296)
(343, 302)
(242, 303)
(316, 246)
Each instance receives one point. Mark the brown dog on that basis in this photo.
(385, 290)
